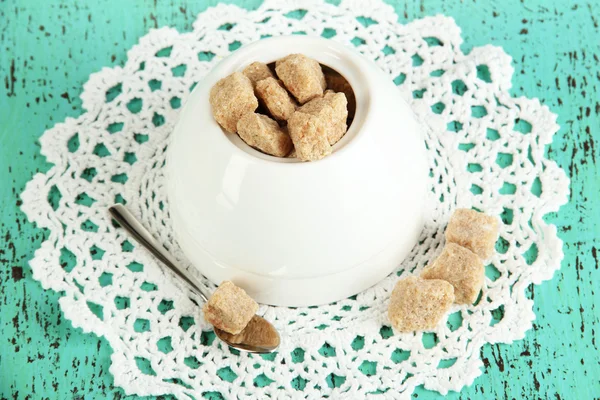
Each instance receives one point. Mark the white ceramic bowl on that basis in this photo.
(294, 233)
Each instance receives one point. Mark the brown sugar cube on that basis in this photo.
(332, 107)
(265, 134)
(338, 83)
(302, 76)
(460, 267)
(474, 230)
(257, 71)
(230, 98)
(317, 125)
(417, 304)
(339, 104)
(309, 134)
(275, 98)
(229, 308)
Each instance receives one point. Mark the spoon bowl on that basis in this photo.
(259, 336)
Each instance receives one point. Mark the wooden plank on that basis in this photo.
(50, 48)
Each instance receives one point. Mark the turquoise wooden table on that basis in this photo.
(49, 48)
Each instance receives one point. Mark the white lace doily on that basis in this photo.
(486, 150)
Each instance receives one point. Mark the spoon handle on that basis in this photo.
(128, 222)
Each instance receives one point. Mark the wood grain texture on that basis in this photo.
(49, 48)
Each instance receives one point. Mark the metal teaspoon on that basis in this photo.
(259, 336)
